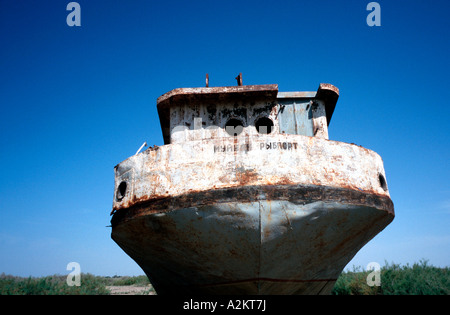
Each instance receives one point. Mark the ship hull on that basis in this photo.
(250, 233)
(296, 242)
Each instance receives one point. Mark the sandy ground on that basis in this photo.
(131, 290)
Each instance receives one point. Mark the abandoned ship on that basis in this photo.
(248, 195)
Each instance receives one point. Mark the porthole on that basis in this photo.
(382, 181)
(264, 125)
(234, 127)
(121, 191)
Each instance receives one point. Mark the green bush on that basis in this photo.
(418, 279)
(125, 280)
(51, 285)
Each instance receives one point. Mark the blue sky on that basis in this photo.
(75, 101)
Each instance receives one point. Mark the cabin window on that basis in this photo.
(264, 125)
(234, 127)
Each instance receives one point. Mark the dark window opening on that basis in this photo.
(264, 125)
(121, 190)
(382, 181)
(234, 127)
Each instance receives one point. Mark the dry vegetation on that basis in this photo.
(90, 285)
(418, 279)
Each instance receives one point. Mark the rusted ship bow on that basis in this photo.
(248, 195)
